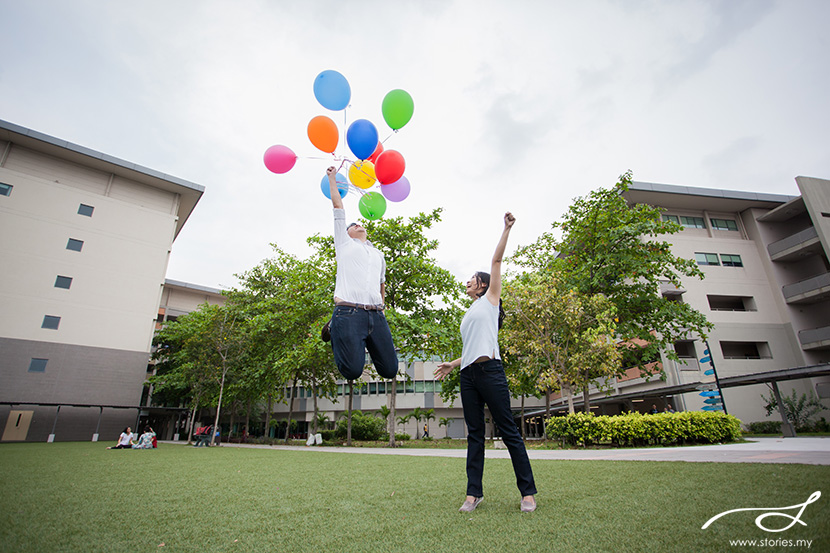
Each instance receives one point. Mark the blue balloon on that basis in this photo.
(342, 185)
(332, 90)
(362, 138)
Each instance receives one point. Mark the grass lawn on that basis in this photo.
(82, 497)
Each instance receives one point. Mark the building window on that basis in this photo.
(731, 303)
(74, 245)
(85, 210)
(37, 365)
(745, 350)
(671, 218)
(724, 224)
(51, 322)
(731, 260)
(706, 258)
(685, 349)
(63, 282)
(5, 189)
(692, 222)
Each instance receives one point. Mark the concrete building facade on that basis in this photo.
(766, 287)
(87, 242)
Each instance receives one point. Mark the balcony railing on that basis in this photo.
(815, 338)
(799, 240)
(809, 290)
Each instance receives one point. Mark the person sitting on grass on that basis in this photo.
(146, 439)
(125, 440)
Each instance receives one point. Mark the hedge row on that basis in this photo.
(638, 430)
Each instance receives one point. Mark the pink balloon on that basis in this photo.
(396, 191)
(279, 159)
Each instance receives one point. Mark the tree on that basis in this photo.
(417, 414)
(422, 299)
(204, 345)
(445, 422)
(799, 410)
(429, 415)
(403, 419)
(566, 339)
(288, 300)
(617, 250)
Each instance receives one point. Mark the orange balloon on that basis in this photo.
(323, 133)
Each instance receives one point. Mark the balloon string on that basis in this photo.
(345, 122)
(388, 137)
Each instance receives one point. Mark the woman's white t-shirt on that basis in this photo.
(125, 438)
(480, 332)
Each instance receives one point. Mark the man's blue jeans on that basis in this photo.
(485, 383)
(355, 330)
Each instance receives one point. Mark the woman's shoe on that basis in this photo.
(528, 506)
(470, 506)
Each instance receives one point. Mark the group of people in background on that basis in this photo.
(130, 440)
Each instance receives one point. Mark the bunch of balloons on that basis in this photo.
(374, 165)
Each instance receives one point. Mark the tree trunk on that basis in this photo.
(566, 387)
(218, 409)
(192, 420)
(248, 419)
(268, 416)
(349, 415)
(523, 416)
(547, 415)
(586, 401)
(392, 401)
(291, 407)
(316, 410)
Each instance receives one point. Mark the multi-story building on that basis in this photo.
(87, 239)
(766, 290)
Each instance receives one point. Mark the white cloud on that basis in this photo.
(519, 106)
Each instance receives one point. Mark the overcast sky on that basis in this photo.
(520, 105)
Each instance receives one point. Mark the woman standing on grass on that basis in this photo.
(483, 382)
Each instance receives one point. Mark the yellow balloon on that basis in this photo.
(362, 174)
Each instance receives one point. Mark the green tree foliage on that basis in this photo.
(200, 352)
(422, 299)
(564, 338)
(364, 427)
(799, 410)
(608, 247)
(288, 300)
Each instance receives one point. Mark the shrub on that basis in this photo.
(402, 436)
(328, 435)
(637, 429)
(364, 427)
(764, 427)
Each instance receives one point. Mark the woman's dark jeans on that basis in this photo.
(485, 383)
(355, 330)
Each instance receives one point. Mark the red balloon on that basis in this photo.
(379, 150)
(389, 167)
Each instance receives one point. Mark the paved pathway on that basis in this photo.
(807, 450)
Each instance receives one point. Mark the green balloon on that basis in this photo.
(397, 108)
(372, 205)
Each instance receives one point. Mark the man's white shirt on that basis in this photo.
(361, 268)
